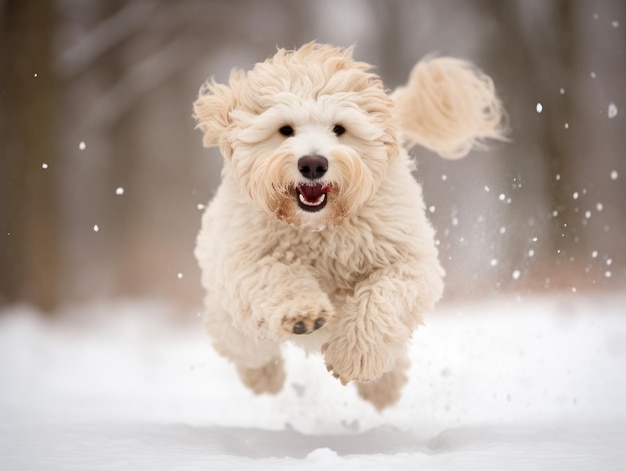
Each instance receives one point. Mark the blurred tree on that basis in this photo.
(552, 61)
(546, 49)
(29, 258)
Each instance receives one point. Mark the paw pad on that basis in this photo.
(304, 327)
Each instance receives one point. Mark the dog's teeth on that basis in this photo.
(319, 201)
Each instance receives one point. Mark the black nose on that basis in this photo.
(312, 166)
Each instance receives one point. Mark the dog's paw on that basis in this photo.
(306, 322)
(300, 317)
(356, 362)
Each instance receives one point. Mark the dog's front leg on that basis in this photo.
(379, 318)
(273, 299)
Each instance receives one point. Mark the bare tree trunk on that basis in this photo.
(29, 259)
(566, 227)
(546, 59)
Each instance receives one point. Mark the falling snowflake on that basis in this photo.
(516, 274)
(96, 228)
(612, 112)
(539, 107)
(82, 145)
(614, 175)
(44, 165)
(119, 190)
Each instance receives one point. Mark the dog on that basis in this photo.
(318, 233)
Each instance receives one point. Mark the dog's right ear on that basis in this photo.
(212, 110)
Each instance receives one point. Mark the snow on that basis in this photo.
(612, 112)
(510, 384)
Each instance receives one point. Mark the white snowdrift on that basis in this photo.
(534, 384)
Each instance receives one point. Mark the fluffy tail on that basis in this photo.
(449, 106)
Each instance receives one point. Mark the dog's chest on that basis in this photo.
(338, 258)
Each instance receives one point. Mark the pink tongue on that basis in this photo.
(311, 193)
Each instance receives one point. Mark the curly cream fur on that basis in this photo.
(365, 266)
(448, 106)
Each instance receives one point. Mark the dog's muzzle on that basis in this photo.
(312, 195)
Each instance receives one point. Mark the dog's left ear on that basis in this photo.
(449, 106)
(212, 110)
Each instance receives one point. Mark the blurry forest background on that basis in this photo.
(103, 177)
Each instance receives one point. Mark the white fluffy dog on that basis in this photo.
(317, 233)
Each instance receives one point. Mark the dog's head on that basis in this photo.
(308, 134)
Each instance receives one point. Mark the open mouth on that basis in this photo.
(312, 197)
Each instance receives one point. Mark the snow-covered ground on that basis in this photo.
(537, 384)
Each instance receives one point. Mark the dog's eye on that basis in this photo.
(287, 131)
(339, 129)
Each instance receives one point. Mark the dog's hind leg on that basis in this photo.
(386, 390)
(268, 378)
(259, 363)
